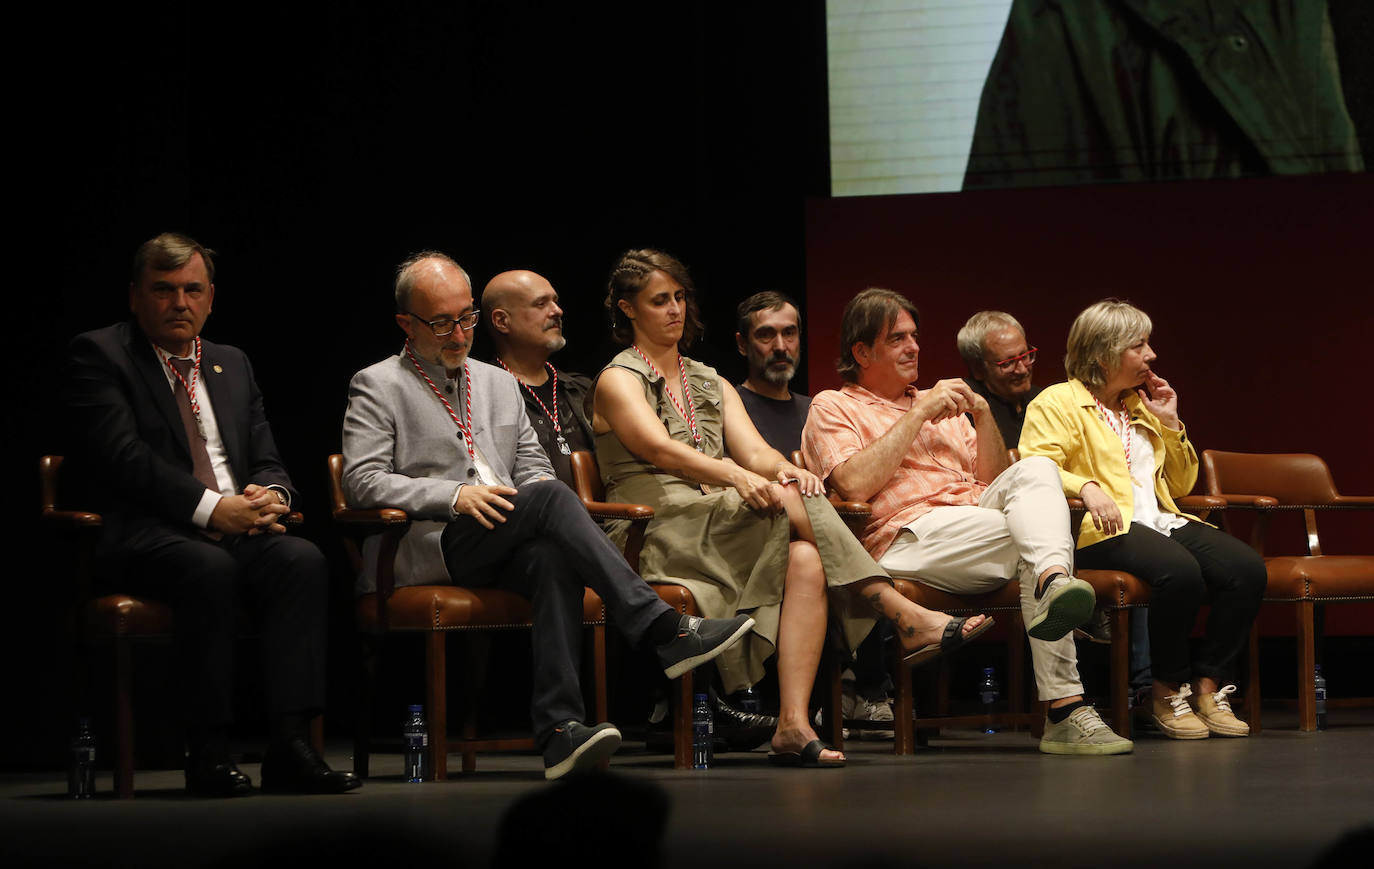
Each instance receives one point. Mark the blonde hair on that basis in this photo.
(1098, 337)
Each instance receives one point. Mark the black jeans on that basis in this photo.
(547, 550)
(1193, 564)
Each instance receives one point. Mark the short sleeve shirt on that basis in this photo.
(938, 469)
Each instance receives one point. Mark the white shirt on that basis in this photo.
(1142, 470)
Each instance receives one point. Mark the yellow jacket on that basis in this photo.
(1064, 424)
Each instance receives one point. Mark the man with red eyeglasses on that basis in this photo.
(1000, 365)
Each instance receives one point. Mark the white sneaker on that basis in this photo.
(1083, 732)
(860, 709)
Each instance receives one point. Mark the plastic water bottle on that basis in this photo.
(989, 692)
(415, 734)
(81, 763)
(1319, 694)
(703, 732)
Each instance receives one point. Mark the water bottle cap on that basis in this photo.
(417, 707)
(987, 671)
(700, 698)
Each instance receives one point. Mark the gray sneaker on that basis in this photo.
(577, 748)
(1064, 603)
(699, 640)
(1083, 732)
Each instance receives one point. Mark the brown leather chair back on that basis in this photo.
(1294, 479)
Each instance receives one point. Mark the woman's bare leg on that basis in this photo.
(801, 635)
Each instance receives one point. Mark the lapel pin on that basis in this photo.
(218, 370)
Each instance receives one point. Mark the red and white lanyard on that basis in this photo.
(1120, 424)
(690, 414)
(189, 387)
(553, 375)
(464, 428)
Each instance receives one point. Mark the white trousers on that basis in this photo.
(1019, 528)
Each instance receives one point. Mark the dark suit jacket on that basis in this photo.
(129, 457)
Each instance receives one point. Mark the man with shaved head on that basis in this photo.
(446, 438)
(522, 316)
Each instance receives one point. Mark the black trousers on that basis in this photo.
(547, 551)
(1195, 563)
(279, 580)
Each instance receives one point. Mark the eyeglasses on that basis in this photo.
(1028, 357)
(445, 325)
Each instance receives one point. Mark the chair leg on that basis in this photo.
(1307, 665)
(1252, 687)
(436, 700)
(1121, 671)
(476, 657)
(368, 652)
(599, 671)
(831, 670)
(1016, 670)
(682, 721)
(903, 709)
(124, 720)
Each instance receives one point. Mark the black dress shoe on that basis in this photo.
(293, 767)
(208, 778)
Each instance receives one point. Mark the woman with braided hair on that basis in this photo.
(751, 533)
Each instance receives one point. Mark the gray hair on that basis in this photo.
(975, 332)
(407, 272)
(1098, 337)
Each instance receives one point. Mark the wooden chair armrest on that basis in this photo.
(371, 521)
(851, 508)
(607, 510)
(1358, 501)
(1192, 503)
(1252, 502)
(73, 518)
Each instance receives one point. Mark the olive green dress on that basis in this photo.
(732, 558)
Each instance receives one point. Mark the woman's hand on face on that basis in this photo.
(1160, 398)
(807, 483)
(758, 492)
(1106, 515)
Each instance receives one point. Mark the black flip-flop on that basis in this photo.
(809, 757)
(952, 638)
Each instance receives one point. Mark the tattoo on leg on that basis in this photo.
(875, 600)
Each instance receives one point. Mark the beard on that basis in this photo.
(779, 375)
(554, 343)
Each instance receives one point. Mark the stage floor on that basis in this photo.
(1280, 799)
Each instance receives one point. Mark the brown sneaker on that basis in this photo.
(1175, 717)
(1215, 712)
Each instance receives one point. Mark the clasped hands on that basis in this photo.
(765, 495)
(257, 511)
(947, 399)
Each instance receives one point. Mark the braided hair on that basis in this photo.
(630, 274)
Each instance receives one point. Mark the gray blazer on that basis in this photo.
(401, 449)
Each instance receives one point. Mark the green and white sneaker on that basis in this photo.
(1083, 732)
(1063, 604)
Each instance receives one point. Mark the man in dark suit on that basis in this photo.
(172, 443)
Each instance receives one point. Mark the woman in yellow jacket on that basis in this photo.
(1115, 432)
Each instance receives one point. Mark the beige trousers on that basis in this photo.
(1019, 528)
